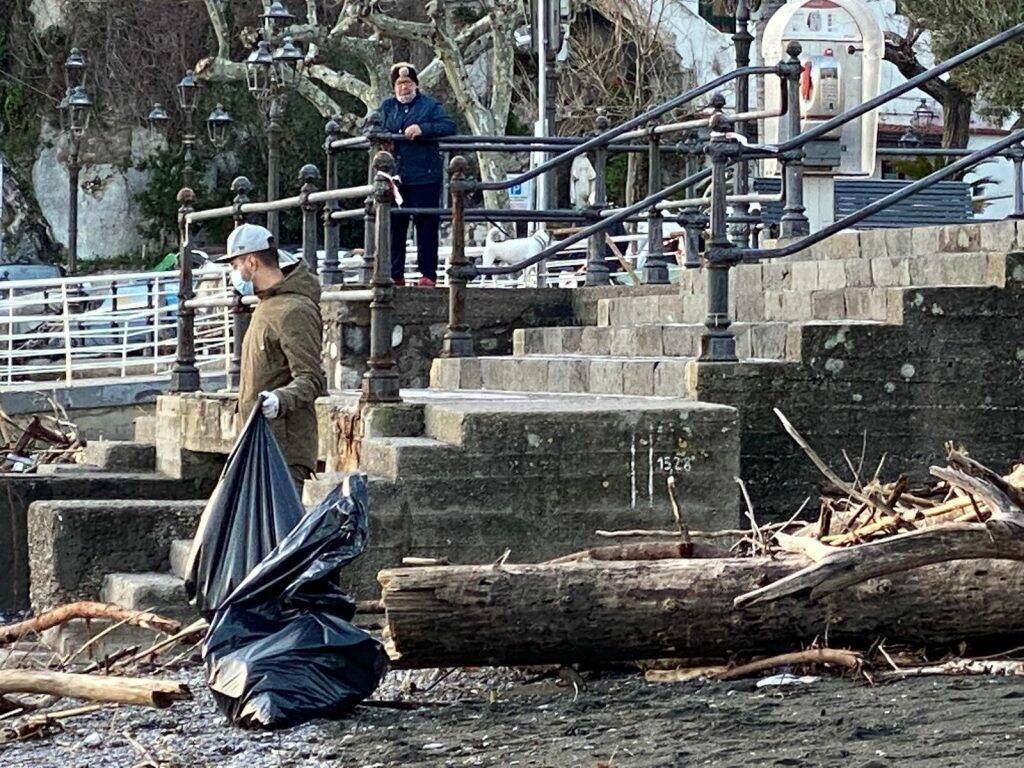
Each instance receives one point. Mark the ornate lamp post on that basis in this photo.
(217, 124)
(271, 73)
(921, 122)
(742, 40)
(75, 108)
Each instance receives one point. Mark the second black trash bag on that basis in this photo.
(281, 650)
(251, 510)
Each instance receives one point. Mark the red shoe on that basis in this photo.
(426, 282)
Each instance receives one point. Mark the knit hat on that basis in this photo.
(404, 69)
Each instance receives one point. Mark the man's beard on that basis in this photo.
(407, 98)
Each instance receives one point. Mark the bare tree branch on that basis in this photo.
(215, 9)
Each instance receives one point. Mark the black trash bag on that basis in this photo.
(252, 509)
(281, 650)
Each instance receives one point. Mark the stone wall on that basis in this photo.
(953, 371)
(421, 318)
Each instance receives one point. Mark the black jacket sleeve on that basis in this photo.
(437, 123)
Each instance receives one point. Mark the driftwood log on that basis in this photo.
(85, 609)
(596, 611)
(114, 690)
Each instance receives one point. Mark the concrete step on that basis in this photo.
(67, 470)
(161, 593)
(577, 374)
(120, 455)
(765, 341)
(180, 549)
(407, 457)
(316, 488)
(74, 635)
(145, 429)
(815, 290)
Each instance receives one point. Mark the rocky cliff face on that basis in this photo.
(109, 183)
(25, 233)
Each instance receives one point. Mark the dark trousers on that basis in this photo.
(416, 196)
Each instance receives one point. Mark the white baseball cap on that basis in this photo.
(245, 239)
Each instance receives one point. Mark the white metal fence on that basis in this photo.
(76, 328)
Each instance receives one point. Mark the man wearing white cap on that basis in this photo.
(281, 353)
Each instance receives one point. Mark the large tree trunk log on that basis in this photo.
(596, 611)
(115, 690)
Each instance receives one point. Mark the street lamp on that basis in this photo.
(75, 109)
(217, 126)
(188, 101)
(922, 119)
(272, 70)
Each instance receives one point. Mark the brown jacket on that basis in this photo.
(282, 352)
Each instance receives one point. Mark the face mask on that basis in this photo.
(406, 99)
(244, 287)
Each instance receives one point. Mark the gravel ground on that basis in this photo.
(508, 718)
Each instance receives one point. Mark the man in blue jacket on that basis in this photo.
(423, 121)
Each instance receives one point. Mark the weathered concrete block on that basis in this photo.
(890, 273)
(647, 341)
(526, 374)
(604, 312)
(950, 269)
(828, 305)
(796, 306)
(844, 245)
(670, 378)
(748, 290)
(741, 333)
(523, 343)
(552, 340)
(695, 308)
(857, 273)
(162, 593)
(145, 429)
(596, 341)
(874, 244)
(119, 456)
(805, 276)
(638, 377)
(777, 276)
(670, 308)
(773, 305)
(958, 238)
(832, 274)
(999, 236)
(925, 240)
(768, 340)
(572, 339)
(566, 375)
(180, 551)
(899, 242)
(866, 304)
(73, 544)
(680, 340)
(606, 377)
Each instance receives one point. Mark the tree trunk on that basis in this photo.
(604, 611)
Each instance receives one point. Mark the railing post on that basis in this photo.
(597, 269)
(717, 344)
(274, 114)
(693, 223)
(742, 40)
(240, 313)
(309, 175)
(369, 237)
(794, 221)
(332, 274)
(1016, 154)
(458, 341)
(655, 268)
(381, 383)
(185, 375)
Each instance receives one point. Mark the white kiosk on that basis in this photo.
(843, 47)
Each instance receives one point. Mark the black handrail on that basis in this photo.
(754, 254)
(605, 138)
(470, 271)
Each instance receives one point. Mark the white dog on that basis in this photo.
(499, 250)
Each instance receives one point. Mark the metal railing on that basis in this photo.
(381, 381)
(718, 343)
(71, 330)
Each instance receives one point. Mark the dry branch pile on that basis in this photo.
(23, 447)
(779, 588)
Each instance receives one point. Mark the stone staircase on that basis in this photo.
(912, 337)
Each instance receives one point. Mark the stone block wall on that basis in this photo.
(953, 371)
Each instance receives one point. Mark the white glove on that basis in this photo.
(270, 403)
